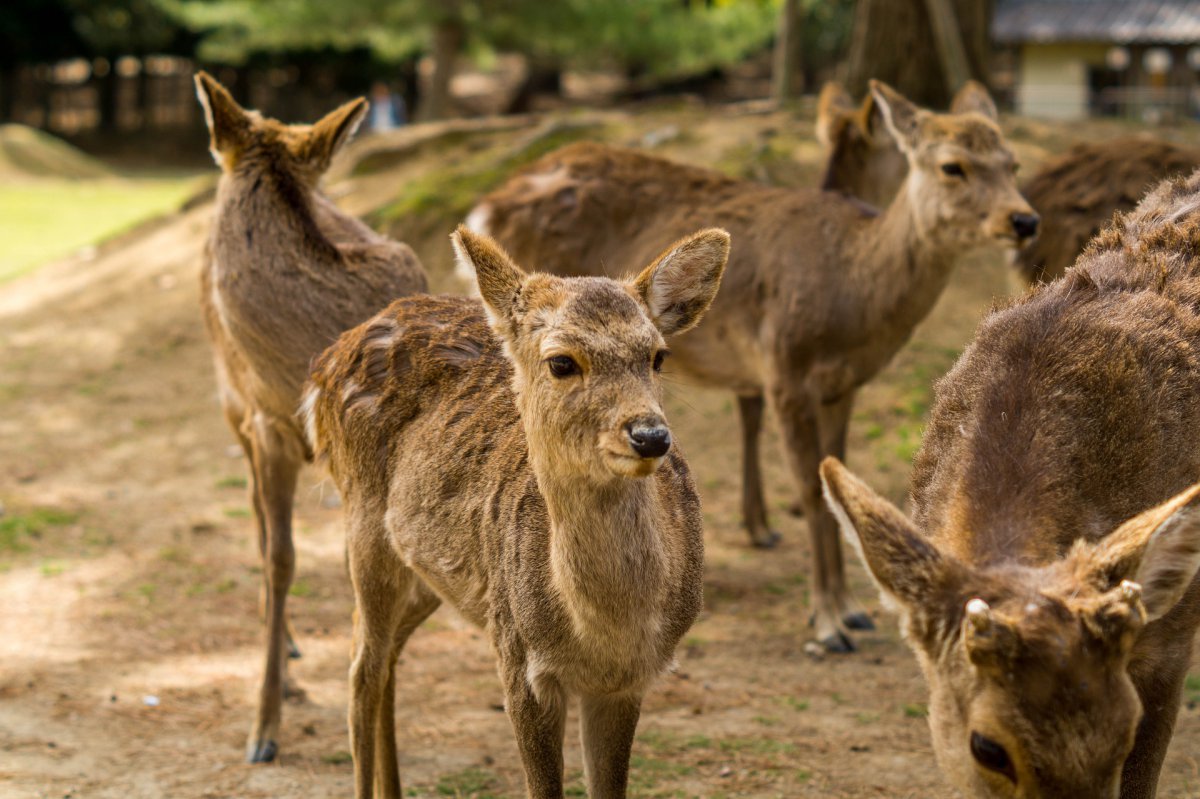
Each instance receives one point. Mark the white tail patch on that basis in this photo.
(308, 415)
(478, 221)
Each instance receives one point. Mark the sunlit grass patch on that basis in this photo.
(16, 529)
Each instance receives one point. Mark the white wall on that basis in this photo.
(1052, 79)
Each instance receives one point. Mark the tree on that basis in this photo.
(788, 77)
(924, 55)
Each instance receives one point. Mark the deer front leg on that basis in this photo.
(1159, 681)
(538, 720)
(275, 460)
(798, 421)
(754, 506)
(607, 727)
(833, 419)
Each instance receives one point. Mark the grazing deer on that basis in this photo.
(1046, 580)
(863, 160)
(820, 293)
(525, 474)
(284, 274)
(1078, 192)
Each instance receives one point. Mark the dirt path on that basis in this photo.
(129, 640)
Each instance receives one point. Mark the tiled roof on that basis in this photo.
(1118, 21)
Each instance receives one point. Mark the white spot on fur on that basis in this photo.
(480, 219)
(308, 415)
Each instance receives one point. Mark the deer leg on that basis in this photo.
(421, 604)
(607, 727)
(276, 460)
(832, 421)
(538, 718)
(754, 506)
(798, 420)
(1159, 682)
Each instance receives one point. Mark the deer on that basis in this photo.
(821, 291)
(511, 457)
(284, 273)
(1046, 578)
(862, 158)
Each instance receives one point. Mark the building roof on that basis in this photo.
(1116, 21)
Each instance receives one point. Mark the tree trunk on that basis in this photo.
(448, 39)
(788, 77)
(8, 93)
(894, 41)
(108, 89)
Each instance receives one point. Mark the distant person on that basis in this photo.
(388, 111)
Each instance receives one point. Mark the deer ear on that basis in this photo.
(499, 279)
(1159, 549)
(911, 573)
(973, 96)
(332, 131)
(833, 105)
(682, 282)
(228, 123)
(901, 116)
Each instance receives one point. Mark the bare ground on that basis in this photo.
(129, 637)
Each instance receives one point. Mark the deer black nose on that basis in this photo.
(649, 440)
(1025, 225)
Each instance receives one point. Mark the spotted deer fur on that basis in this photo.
(476, 475)
(1046, 579)
(820, 292)
(284, 274)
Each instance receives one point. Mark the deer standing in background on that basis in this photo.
(1046, 581)
(525, 474)
(284, 274)
(863, 159)
(820, 291)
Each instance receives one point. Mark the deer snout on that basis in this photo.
(649, 438)
(1025, 225)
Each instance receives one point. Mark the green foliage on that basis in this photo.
(16, 528)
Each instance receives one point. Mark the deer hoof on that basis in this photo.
(796, 509)
(293, 650)
(838, 644)
(261, 752)
(858, 621)
(765, 540)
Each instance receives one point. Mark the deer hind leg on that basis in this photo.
(538, 718)
(798, 421)
(421, 603)
(275, 462)
(608, 724)
(832, 421)
(754, 506)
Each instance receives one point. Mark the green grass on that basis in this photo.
(16, 529)
(47, 219)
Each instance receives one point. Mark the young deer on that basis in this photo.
(284, 274)
(820, 293)
(525, 474)
(1046, 581)
(863, 159)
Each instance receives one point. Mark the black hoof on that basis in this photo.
(293, 651)
(262, 753)
(767, 540)
(858, 621)
(796, 509)
(837, 644)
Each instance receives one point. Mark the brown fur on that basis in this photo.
(818, 296)
(475, 476)
(1078, 192)
(1073, 411)
(863, 159)
(284, 274)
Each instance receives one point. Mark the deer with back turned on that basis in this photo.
(511, 457)
(820, 291)
(1046, 579)
(284, 274)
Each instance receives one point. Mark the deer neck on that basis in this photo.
(269, 208)
(902, 267)
(607, 560)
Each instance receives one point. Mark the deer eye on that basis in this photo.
(659, 357)
(992, 756)
(562, 366)
(954, 170)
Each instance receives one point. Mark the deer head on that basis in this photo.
(586, 352)
(962, 175)
(1027, 665)
(238, 136)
